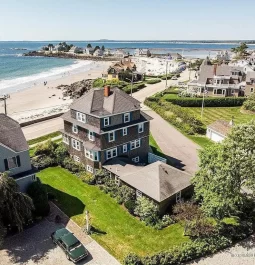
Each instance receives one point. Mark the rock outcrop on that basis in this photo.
(77, 89)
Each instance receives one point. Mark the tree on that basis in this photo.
(225, 170)
(241, 50)
(15, 207)
(103, 48)
(147, 210)
(249, 104)
(89, 46)
(97, 48)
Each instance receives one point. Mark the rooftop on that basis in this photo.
(11, 134)
(97, 104)
(158, 180)
(221, 126)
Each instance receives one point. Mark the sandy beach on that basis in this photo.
(41, 100)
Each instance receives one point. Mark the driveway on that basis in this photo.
(34, 246)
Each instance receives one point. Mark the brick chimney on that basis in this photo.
(215, 69)
(107, 91)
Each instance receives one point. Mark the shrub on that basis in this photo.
(46, 148)
(135, 88)
(167, 220)
(147, 210)
(72, 166)
(60, 153)
(126, 193)
(132, 259)
(249, 104)
(99, 82)
(153, 81)
(130, 206)
(87, 178)
(208, 102)
(43, 161)
(38, 192)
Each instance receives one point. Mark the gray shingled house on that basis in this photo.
(218, 80)
(106, 129)
(14, 153)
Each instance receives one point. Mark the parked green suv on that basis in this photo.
(73, 248)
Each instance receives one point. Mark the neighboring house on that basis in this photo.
(106, 129)
(89, 51)
(142, 52)
(245, 64)
(120, 54)
(174, 56)
(107, 52)
(75, 49)
(218, 130)
(158, 181)
(250, 83)
(218, 80)
(14, 153)
(98, 52)
(116, 68)
(223, 56)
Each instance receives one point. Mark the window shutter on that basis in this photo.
(6, 165)
(18, 161)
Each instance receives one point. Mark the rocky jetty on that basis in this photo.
(77, 89)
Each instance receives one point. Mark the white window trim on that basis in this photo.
(111, 153)
(76, 144)
(75, 129)
(91, 136)
(90, 154)
(113, 133)
(81, 117)
(108, 121)
(126, 115)
(124, 148)
(90, 169)
(137, 144)
(65, 139)
(16, 162)
(252, 89)
(140, 127)
(124, 131)
(136, 159)
(76, 159)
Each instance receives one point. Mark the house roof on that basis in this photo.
(158, 180)
(249, 76)
(11, 134)
(221, 126)
(95, 103)
(123, 65)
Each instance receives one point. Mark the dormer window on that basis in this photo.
(81, 117)
(106, 121)
(91, 136)
(126, 117)
(75, 128)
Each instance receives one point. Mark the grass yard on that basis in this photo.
(118, 231)
(44, 138)
(225, 113)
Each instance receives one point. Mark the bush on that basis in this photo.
(72, 166)
(130, 206)
(167, 220)
(60, 153)
(87, 178)
(176, 115)
(99, 82)
(43, 161)
(38, 192)
(249, 104)
(147, 210)
(126, 193)
(208, 102)
(132, 259)
(135, 88)
(153, 81)
(46, 148)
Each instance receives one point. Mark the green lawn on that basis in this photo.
(212, 114)
(44, 138)
(118, 231)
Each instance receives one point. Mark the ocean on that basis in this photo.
(19, 72)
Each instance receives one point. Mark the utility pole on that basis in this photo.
(4, 98)
(132, 80)
(166, 72)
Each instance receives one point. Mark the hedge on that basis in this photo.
(135, 88)
(208, 102)
(176, 115)
(153, 81)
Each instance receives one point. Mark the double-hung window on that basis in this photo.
(111, 136)
(91, 136)
(76, 144)
(12, 162)
(126, 117)
(124, 148)
(124, 131)
(135, 144)
(106, 121)
(65, 139)
(75, 128)
(76, 159)
(90, 169)
(140, 127)
(136, 159)
(111, 153)
(92, 155)
(81, 117)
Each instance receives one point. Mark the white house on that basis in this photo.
(98, 52)
(75, 49)
(89, 51)
(141, 52)
(120, 54)
(223, 56)
(218, 130)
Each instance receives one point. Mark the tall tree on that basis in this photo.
(89, 46)
(15, 207)
(241, 50)
(103, 48)
(225, 171)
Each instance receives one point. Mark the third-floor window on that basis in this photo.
(81, 117)
(111, 136)
(106, 121)
(126, 117)
(91, 136)
(125, 131)
(75, 128)
(140, 127)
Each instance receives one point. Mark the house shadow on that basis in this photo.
(170, 160)
(35, 243)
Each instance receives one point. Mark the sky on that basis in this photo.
(127, 20)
